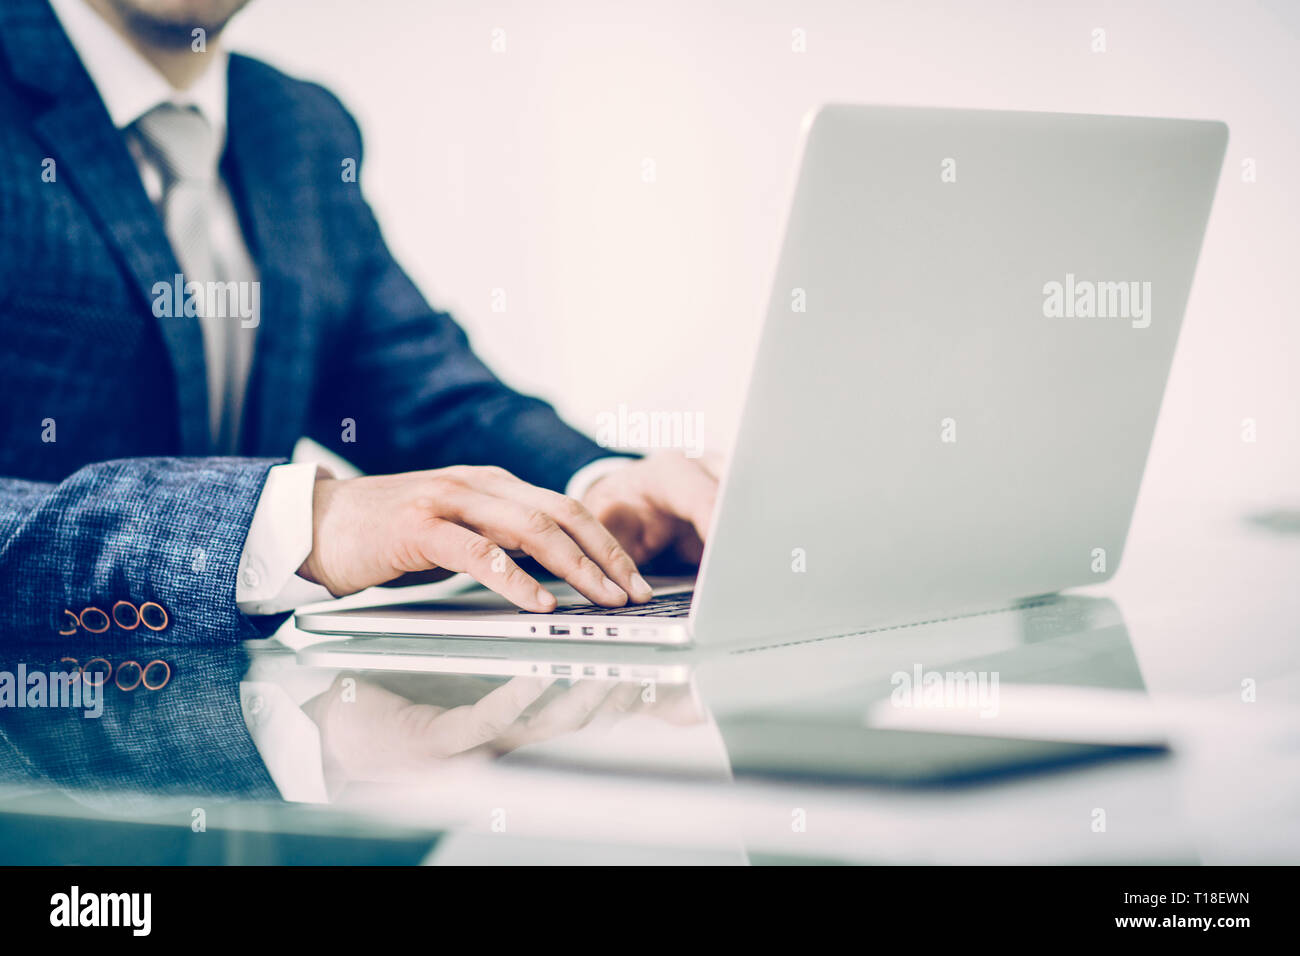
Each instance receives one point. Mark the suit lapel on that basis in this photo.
(93, 159)
(269, 179)
(102, 173)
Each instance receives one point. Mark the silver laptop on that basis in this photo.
(960, 370)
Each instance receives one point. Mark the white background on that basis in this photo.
(522, 171)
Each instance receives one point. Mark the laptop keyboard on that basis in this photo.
(668, 605)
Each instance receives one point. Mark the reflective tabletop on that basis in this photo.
(1151, 720)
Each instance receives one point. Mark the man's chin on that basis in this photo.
(171, 24)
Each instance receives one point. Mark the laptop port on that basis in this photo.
(589, 672)
(561, 670)
(559, 631)
(588, 632)
(611, 632)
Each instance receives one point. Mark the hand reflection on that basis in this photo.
(386, 732)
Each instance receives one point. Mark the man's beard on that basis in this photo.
(175, 31)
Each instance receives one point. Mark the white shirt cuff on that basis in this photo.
(287, 740)
(278, 542)
(588, 475)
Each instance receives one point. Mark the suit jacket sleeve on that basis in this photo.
(188, 737)
(406, 375)
(168, 530)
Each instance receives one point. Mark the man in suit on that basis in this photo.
(190, 281)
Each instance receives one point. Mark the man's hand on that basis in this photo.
(660, 502)
(369, 531)
(412, 726)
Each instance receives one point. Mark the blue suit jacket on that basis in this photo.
(127, 502)
(186, 737)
